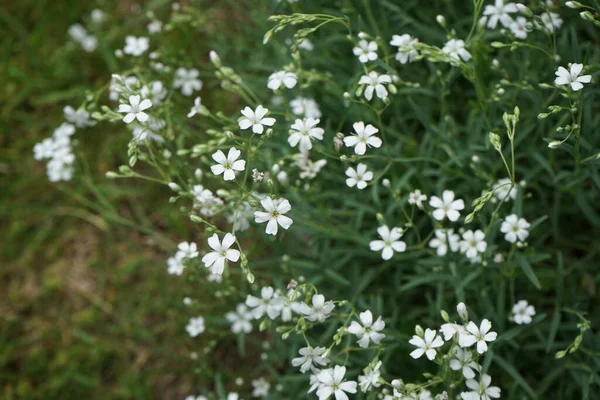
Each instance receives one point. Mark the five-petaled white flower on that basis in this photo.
(455, 49)
(443, 240)
(366, 51)
(446, 206)
(571, 77)
(519, 27)
(304, 131)
(269, 303)
(81, 118)
(499, 12)
(515, 228)
(255, 119)
(287, 79)
(136, 46)
(260, 387)
(426, 344)
(477, 335)
(359, 176)
(368, 331)
(332, 383)
(135, 109)
(227, 165)
(406, 47)
(463, 361)
(370, 379)
(375, 83)
(198, 108)
(186, 250)
(215, 260)
(417, 198)
(363, 137)
(550, 21)
(195, 326)
(240, 319)
(319, 311)
(481, 390)
(523, 312)
(274, 214)
(504, 190)
(389, 242)
(310, 357)
(473, 243)
(187, 80)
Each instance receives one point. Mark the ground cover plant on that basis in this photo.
(387, 199)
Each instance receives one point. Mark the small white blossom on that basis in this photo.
(332, 383)
(359, 176)
(455, 48)
(370, 379)
(277, 79)
(473, 243)
(426, 345)
(572, 77)
(366, 51)
(406, 48)
(451, 330)
(198, 108)
(195, 326)
(307, 107)
(463, 361)
(135, 109)
(215, 260)
(389, 242)
(367, 330)
(303, 132)
(363, 137)
(515, 228)
(499, 12)
(227, 165)
(255, 119)
(501, 190)
(175, 266)
(481, 390)
(79, 118)
(319, 311)
(417, 198)
(375, 84)
(187, 80)
(274, 214)
(136, 46)
(240, 319)
(523, 312)
(478, 335)
(446, 206)
(551, 21)
(186, 250)
(260, 387)
(269, 303)
(154, 26)
(310, 357)
(518, 27)
(444, 240)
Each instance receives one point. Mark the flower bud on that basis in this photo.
(461, 308)
(445, 316)
(214, 58)
(441, 20)
(419, 331)
(586, 16)
(523, 9)
(174, 187)
(386, 182)
(554, 144)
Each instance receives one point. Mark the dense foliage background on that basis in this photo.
(87, 307)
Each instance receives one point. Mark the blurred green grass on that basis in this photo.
(85, 308)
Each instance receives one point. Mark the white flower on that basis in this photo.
(389, 242)
(332, 383)
(519, 27)
(44, 149)
(287, 79)
(187, 80)
(363, 137)
(79, 118)
(523, 312)
(319, 311)
(455, 48)
(551, 21)
(269, 303)
(463, 361)
(446, 206)
(260, 387)
(195, 326)
(310, 357)
(136, 46)
(274, 214)
(443, 240)
(479, 336)
(240, 319)
(89, 43)
(451, 330)
(499, 12)
(303, 131)
(473, 243)
(192, 397)
(481, 390)
(461, 309)
(255, 119)
(309, 168)
(501, 190)
(135, 109)
(571, 77)
(306, 44)
(77, 32)
(365, 51)
(155, 90)
(227, 165)
(406, 47)
(175, 266)
(240, 218)
(198, 108)
(154, 26)
(375, 83)
(426, 345)
(370, 379)
(307, 107)
(368, 331)
(417, 198)
(359, 176)
(215, 260)
(515, 228)
(186, 250)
